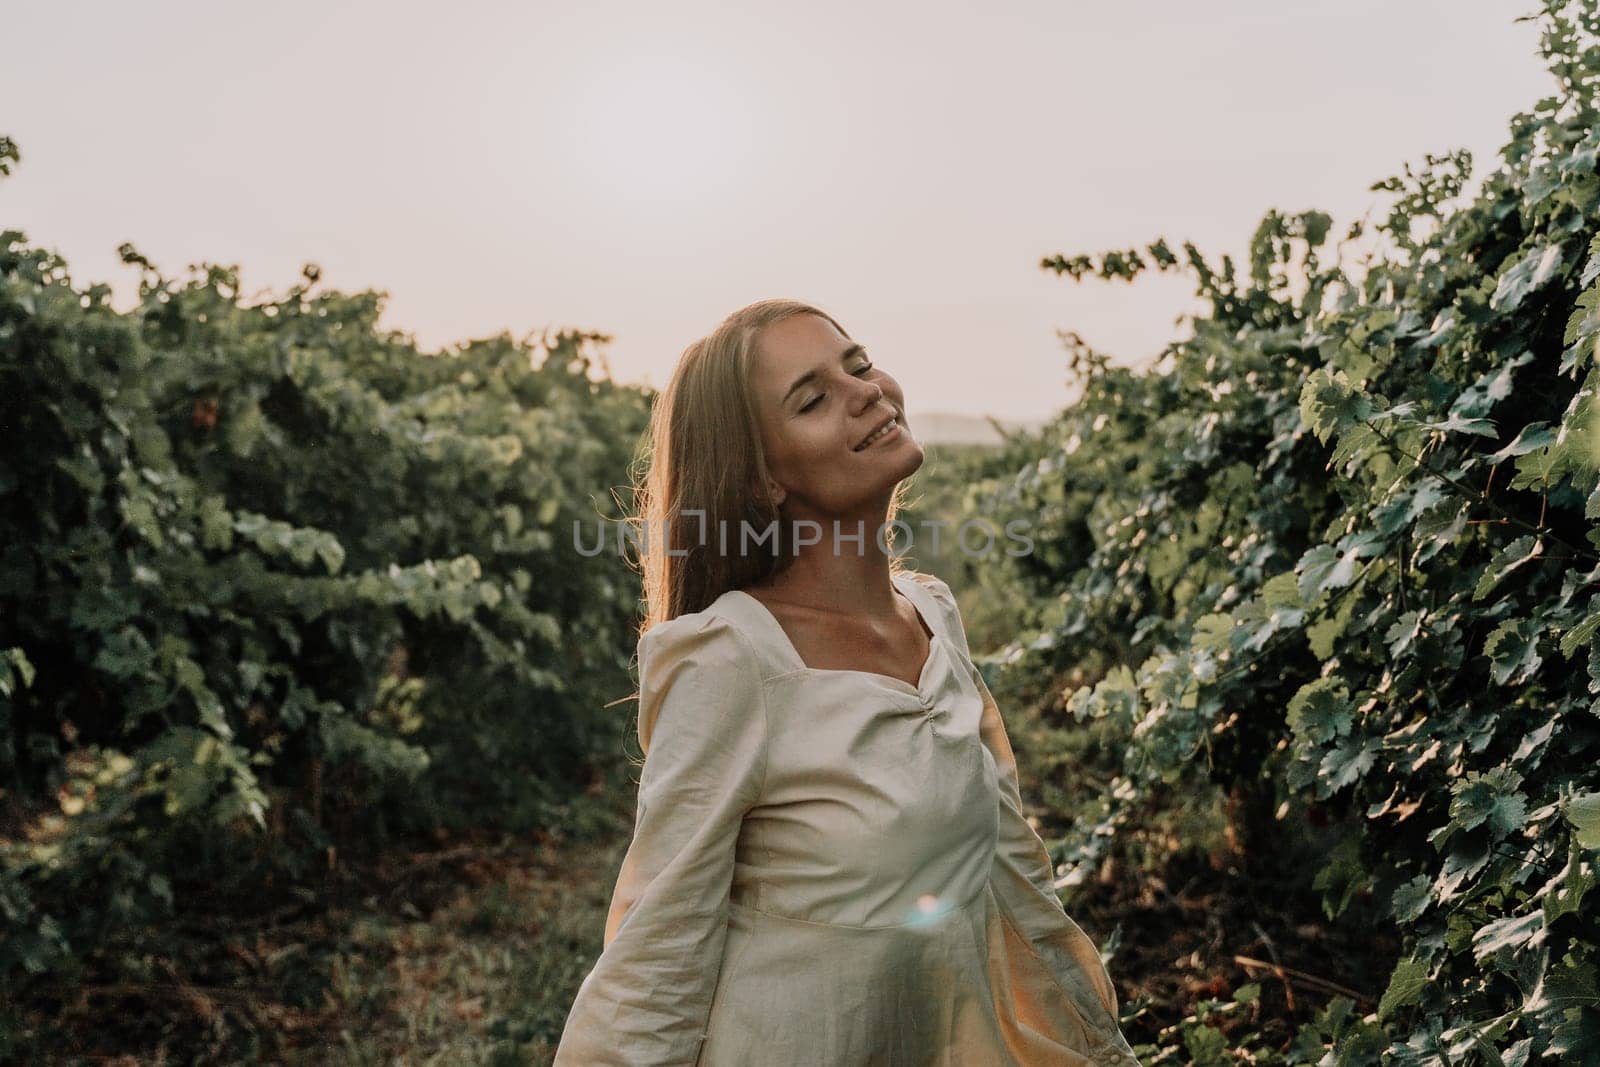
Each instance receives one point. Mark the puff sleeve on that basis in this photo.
(702, 724)
(1023, 874)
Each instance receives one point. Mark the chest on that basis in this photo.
(874, 802)
(830, 644)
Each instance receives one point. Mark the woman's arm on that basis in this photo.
(702, 721)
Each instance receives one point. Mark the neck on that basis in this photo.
(839, 575)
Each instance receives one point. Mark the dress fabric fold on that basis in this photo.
(832, 868)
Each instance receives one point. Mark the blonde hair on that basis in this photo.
(705, 460)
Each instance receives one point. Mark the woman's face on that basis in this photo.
(819, 396)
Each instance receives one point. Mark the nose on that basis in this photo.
(874, 395)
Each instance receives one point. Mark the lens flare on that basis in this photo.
(928, 908)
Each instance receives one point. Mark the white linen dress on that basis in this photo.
(831, 868)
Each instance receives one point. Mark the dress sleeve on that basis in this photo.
(702, 724)
(1023, 873)
(1022, 878)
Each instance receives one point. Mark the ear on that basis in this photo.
(776, 493)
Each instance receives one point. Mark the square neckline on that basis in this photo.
(920, 689)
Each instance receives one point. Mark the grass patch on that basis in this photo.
(469, 953)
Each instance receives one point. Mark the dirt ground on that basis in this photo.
(471, 951)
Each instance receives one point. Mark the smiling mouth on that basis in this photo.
(876, 435)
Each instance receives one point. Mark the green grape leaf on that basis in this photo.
(1591, 267)
(1583, 812)
(1563, 894)
(1330, 404)
(1344, 764)
(1512, 933)
(1407, 506)
(1322, 634)
(1439, 527)
(1528, 274)
(1513, 650)
(1489, 799)
(1328, 567)
(1563, 988)
(1321, 711)
(1584, 322)
(1461, 424)
(1581, 633)
(1406, 984)
(1465, 861)
(1411, 899)
(1402, 634)
(1214, 631)
(1508, 559)
(1534, 435)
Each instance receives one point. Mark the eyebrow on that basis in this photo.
(853, 350)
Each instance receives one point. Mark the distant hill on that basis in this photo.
(942, 428)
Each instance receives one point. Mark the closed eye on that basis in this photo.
(814, 401)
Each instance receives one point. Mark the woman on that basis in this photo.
(830, 865)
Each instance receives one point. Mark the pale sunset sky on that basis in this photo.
(643, 169)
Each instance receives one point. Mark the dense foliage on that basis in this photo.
(274, 585)
(1337, 555)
